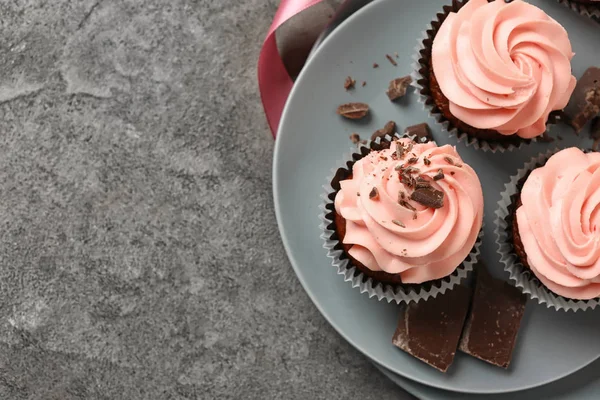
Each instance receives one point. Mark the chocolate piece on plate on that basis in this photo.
(585, 100)
(388, 129)
(349, 83)
(420, 131)
(430, 329)
(491, 329)
(397, 87)
(353, 110)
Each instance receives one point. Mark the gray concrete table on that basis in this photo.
(139, 253)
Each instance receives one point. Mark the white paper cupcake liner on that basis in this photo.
(522, 277)
(587, 10)
(420, 81)
(400, 293)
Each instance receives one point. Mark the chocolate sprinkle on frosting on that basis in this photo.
(449, 160)
(426, 161)
(406, 204)
(428, 197)
(399, 223)
(439, 175)
(374, 194)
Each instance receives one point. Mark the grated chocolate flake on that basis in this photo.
(374, 195)
(353, 110)
(415, 215)
(399, 223)
(429, 197)
(407, 205)
(397, 87)
(439, 175)
(412, 160)
(449, 160)
(375, 65)
(391, 60)
(426, 161)
(349, 83)
(400, 150)
(355, 138)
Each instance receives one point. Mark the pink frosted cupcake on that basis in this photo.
(405, 218)
(551, 238)
(493, 72)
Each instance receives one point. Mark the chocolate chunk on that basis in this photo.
(397, 87)
(585, 100)
(355, 138)
(419, 131)
(391, 60)
(374, 194)
(349, 83)
(353, 110)
(430, 330)
(429, 197)
(491, 329)
(439, 175)
(388, 129)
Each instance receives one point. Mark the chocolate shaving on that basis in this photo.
(388, 129)
(353, 110)
(414, 215)
(364, 84)
(412, 160)
(406, 204)
(399, 167)
(397, 87)
(401, 196)
(399, 223)
(428, 197)
(449, 160)
(374, 194)
(375, 65)
(349, 83)
(439, 175)
(400, 150)
(412, 170)
(390, 59)
(426, 161)
(452, 172)
(355, 138)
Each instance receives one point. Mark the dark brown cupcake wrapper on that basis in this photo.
(421, 71)
(400, 293)
(522, 277)
(587, 10)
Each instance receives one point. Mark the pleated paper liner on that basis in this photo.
(587, 10)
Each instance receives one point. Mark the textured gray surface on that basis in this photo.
(139, 253)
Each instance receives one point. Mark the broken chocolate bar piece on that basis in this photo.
(397, 87)
(353, 110)
(493, 322)
(585, 100)
(421, 132)
(388, 129)
(430, 330)
(429, 197)
(595, 133)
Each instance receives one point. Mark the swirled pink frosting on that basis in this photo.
(559, 223)
(432, 243)
(503, 66)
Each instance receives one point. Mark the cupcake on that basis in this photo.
(403, 220)
(493, 72)
(550, 235)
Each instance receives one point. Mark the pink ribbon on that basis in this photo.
(274, 81)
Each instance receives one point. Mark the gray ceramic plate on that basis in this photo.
(312, 138)
(583, 385)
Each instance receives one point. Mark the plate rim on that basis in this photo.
(319, 47)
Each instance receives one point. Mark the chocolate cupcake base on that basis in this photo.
(377, 283)
(510, 246)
